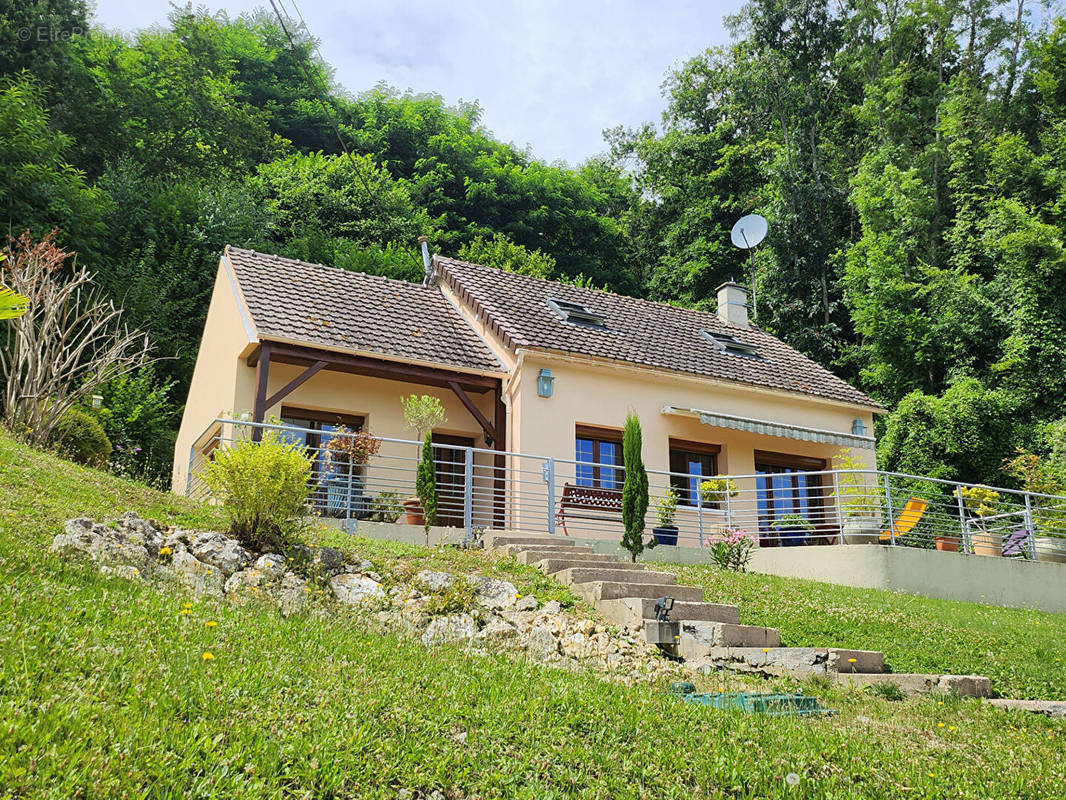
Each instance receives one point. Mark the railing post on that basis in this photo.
(891, 514)
(728, 506)
(347, 500)
(964, 525)
(188, 475)
(548, 471)
(840, 514)
(699, 508)
(1029, 527)
(468, 493)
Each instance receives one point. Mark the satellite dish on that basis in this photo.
(749, 231)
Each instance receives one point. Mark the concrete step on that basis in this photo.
(502, 538)
(916, 684)
(699, 639)
(794, 661)
(596, 591)
(555, 564)
(630, 612)
(535, 554)
(611, 573)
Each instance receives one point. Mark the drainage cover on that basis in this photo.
(774, 705)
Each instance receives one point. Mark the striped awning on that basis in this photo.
(769, 428)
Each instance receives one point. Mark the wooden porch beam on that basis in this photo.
(475, 412)
(376, 368)
(294, 384)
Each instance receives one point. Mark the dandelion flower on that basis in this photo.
(211, 623)
(951, 727)
(165, 551)
(940, 724)
(207, 656)
(852, 660)
(186, 611)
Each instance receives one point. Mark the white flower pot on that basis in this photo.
(862, 530)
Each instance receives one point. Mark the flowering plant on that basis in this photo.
(732, 549)
(979, 499)
(352, 447)
(714, 490)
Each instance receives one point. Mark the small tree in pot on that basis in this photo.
(666, 532)
(421, 413)
(634, 488)
(862, 516)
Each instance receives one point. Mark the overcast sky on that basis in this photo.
(548, 73)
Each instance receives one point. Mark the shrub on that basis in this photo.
(80, 437)
(385, 507)
(713, 491)
(138, 415)
(348, 447)
(263, 488)
(456, 599)
(732, 550)
(634, 488)
(667, 508)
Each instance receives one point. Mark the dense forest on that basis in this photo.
(910, 156)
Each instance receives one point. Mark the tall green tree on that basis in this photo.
(634, 488)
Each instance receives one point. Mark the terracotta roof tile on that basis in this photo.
(636, 331)
(343, 310)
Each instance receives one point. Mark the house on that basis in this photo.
(522, 366)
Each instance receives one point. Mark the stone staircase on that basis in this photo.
(707, 635)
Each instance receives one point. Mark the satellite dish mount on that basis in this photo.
(746, 234)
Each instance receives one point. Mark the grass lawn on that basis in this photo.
(104, 692)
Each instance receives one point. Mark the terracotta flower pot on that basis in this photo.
(987, 544)
(413, 514)
(947, 544)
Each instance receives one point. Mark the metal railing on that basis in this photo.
(482, 488)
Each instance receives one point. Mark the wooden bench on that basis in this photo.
(587, 498)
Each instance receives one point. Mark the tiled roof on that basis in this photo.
(636, 331)
(343, 310)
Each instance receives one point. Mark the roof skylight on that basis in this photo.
(727, 343)
(577, 313)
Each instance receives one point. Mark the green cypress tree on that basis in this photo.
(634, 489)
(426, 485)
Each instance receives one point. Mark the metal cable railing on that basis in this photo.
(482, 488)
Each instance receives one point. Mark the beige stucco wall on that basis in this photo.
(228, 335)
(588, 392)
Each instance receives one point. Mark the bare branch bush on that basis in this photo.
(71, 341)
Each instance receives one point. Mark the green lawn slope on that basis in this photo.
(105, 693)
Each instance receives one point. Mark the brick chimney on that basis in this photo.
(733, 304)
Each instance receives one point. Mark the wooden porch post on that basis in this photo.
(262, 370)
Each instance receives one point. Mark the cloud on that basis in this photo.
(548, 73)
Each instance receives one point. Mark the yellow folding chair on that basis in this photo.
(907, 519)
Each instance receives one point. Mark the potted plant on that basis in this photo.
(861, 518)
(421, 413)
(792, 529)
(713, 491)
(346, 453)
(1045, 477)
(981, 501)
(666, 532)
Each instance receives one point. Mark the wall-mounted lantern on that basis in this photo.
(858, 428)
(98, 402)
(545, 383)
